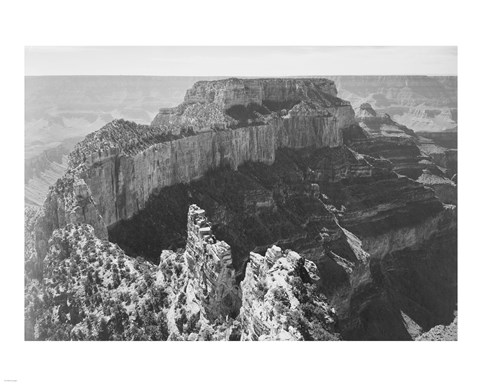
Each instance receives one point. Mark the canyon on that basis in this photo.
(325, 222)
(423, 103)
(61, 110)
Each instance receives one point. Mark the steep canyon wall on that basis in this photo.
(121, 184)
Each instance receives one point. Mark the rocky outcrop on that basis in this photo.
(445, 189)
(212, 261)
(68, 202)
(280, 300)
(90, 289)
(442, 148)
(441, 333)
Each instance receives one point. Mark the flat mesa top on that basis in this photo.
(217, 104)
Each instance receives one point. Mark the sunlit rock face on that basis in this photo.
(212, 262)
(445, 189)
(89, 289)
(126, 163)
(281, 301)
(234, 103)
(242, 92)
(69, 201)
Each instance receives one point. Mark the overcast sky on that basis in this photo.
(240, 61)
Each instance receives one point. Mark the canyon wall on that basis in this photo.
(121, 183)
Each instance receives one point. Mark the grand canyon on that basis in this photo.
(241, 208)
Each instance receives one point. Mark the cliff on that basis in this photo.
(124, 163)
(369, 231)
(233, 101)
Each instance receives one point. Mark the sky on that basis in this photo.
(240, 60)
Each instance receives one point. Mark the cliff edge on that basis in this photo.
(221, 123)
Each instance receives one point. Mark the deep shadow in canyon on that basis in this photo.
(286, 204)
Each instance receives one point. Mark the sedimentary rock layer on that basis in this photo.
(126, 163)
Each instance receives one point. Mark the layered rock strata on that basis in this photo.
(212, 261)
(411, 155)
(423, 103)
(123, 164)
(382, 137)
(127, 163)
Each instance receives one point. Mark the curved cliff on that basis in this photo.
(125, 163)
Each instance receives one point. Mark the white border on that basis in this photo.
(236, 23)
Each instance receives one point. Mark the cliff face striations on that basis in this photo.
(126, 163)
(411, 155)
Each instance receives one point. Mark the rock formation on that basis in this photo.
(410, 154)
(68, 202)
(124, 163)
(279, 162)
(280, 299)
(91, 290)
(441, 333)
(212, 261)
(423, 103)
(43, 170)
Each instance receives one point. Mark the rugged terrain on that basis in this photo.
(423, 103)
(61, 110)
(356, 220)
